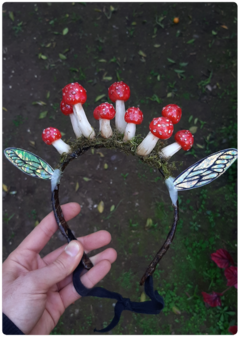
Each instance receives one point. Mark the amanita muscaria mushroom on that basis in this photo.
(52, 136)
(96, 116)
(119, 92)
(184, 140)
(75, 95)
(172, 112)
(160, 128)
(106, 112)
(133, 117)
(67, 110)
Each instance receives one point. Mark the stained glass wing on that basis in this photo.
(205, 170)
(29, 163)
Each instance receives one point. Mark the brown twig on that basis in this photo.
(152, 266)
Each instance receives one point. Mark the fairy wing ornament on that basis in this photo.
(205, 170)
(29, 163)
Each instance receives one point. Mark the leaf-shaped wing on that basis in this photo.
(29, 163)
(205, 170)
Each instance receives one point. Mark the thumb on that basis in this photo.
(63, 266)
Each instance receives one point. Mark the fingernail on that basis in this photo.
(72, 248)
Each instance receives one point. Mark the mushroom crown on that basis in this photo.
(161, 127)
(185, 139)
(66, 108)
(96, 113)
(74, 93)
(106, 111)
(133, 115)
(50, 135)
(173, 112)
(119, 91)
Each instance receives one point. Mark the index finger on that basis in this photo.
(41, 234)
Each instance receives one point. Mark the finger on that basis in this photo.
(109, 254)
(92, 241)
(92, 277)
(64, 265)
(41, 234)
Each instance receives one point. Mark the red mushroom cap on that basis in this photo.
(66, 108)
(173, 112)
(119, 91)
(161, 127)
(50, 135)
(133, 115)
(96, 113)
(106, 111)
(185, 139)
(74, 93)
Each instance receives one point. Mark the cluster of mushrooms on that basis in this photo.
(74, 96)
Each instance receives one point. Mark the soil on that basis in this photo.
(163, 63)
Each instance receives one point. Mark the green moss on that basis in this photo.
(82, 144)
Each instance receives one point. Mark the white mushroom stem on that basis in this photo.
(147, 145)
(61, 146)
(75, 125)
(100, 124)
(105, 128)
(170, 150)
(119, 117)
(129, 132)
(84, 124)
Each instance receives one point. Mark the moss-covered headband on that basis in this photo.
(150, 149)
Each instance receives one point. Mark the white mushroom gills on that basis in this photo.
(170, 150)
(172, 190)
(105, 128)
(84, 124)
(61, 146)
(75, 125)
(129, 132)
(119, 117)
(147, 145)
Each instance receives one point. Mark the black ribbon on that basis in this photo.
(152, 307)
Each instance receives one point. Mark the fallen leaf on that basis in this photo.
(100, 207)
(195, 120)
(92, 150)
(225, 27)
(101, 154)
(41, 103)
(143, 297)
(170, 60)
(65, 31)
(193, 129)
(157, 45)
(13, 192)
(112, 208)
(86, 179)
(11, 16)
(191, 41)
(141, 53)
(200, 146)
(149, 223)
(5, 188)
(170, 94)
(105, 166)
(43, 115)
(107, 78)
(102, 60)
(36, 223)
(99, 97)
(76, 187)
(32, 142)
(176, 310)
(62, 57)
(4, 109)
(48, 94)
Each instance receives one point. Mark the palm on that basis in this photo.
(39, 307)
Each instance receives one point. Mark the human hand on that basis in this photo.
(36, 291)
